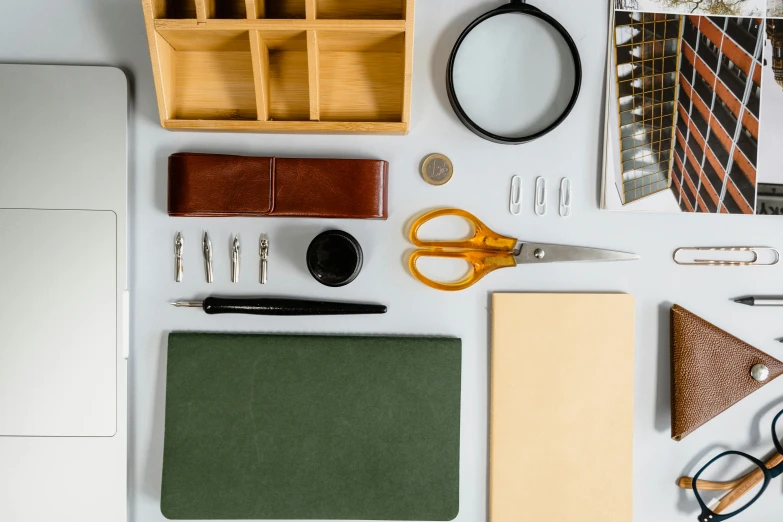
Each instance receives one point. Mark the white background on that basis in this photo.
(112, 32)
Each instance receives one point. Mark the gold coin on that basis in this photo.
(436, 169)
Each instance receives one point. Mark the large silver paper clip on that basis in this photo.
(727, 256)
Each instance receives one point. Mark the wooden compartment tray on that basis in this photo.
(282, 65)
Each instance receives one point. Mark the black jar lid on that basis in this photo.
(334, 258)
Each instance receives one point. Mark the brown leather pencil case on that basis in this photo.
(214, 185)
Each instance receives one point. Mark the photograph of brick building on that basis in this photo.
(687, 91)
(718, 127)
(646, 53)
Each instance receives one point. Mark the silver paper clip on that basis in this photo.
(515, 198)
(754, 261)
(565, 197)
(540, 204)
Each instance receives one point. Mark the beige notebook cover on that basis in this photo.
(561, 433)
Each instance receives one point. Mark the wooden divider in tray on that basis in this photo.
(282, 65)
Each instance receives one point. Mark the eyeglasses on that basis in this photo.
(734, 480)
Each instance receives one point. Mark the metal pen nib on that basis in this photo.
(235, 260)
(178, 244)
(188, 304)
(207, 257)
(264, 252)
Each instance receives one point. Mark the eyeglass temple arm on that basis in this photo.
(709, 485)
(738, 487)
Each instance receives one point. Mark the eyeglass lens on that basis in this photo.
(514, 74)
(720, 483)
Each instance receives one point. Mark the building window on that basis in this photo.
(647, 79)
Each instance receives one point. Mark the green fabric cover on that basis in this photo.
(311, 427)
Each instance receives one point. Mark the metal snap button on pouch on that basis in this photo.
(759, 372)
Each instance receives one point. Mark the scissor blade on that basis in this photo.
(532, 253)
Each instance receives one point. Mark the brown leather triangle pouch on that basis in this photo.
(711, 371)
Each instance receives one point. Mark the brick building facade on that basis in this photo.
(688, 93)
(715, 153)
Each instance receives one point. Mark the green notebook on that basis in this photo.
(311, 427)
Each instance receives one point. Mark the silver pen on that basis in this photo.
(235, 260)
(760, 301)
(207, 257)
(178, 244)
(264, 252)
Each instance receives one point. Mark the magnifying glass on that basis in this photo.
(514, 74)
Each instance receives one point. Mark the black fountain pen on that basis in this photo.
(275, 306)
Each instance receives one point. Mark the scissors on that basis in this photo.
(487, 251)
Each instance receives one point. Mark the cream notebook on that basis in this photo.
(561, 434)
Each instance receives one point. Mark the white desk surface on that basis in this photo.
(112, 32)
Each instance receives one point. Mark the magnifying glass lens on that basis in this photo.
(514, 75)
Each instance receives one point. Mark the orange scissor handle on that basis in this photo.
(485, 252)
(481, 263)
(484, 239)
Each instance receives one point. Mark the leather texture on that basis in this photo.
(710, 371)
(213, 185)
